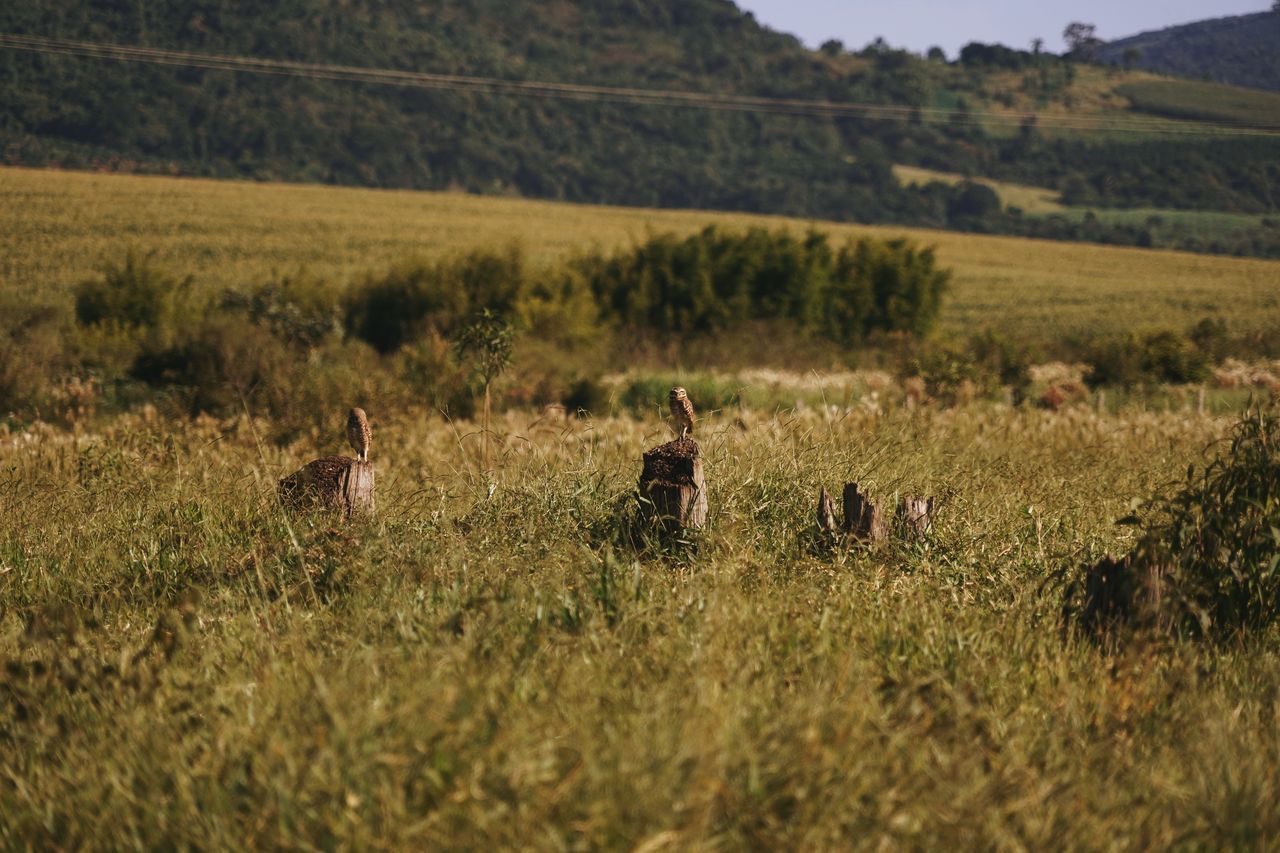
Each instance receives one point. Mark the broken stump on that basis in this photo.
(331, 482)
(863, 519)
(866, 522)
(1115, 593)
(673, 492)
(826, 512)
(915, 517)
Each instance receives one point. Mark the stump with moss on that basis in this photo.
(673, 490)
(331, 482)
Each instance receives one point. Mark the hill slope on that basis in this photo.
(1239, 50)
(79, 112)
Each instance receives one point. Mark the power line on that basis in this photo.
(613, 94)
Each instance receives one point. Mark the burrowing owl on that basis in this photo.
(358, 433)
(681, 410)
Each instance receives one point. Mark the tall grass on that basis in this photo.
(185, 667)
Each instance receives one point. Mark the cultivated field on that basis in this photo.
(58, 227)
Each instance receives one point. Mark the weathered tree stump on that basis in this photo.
(826, 512)
(1117, 593)
(863, 519)
(331, 482)
(915, 517)
(673, 492)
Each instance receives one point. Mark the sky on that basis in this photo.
(919, 24)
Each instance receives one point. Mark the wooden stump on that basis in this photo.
(863, 519)
(673, 492)
(331, 482)
(1119, 593)
(826, 512)
(915, 517)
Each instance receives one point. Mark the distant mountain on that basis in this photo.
(1242, 50)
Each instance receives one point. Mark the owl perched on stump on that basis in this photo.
(358, 433)
(681, 410)
(336, 482)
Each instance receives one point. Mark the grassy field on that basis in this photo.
(1097, 102)
(1030, 199)
(490, 663)
(56, 228)
(1204, 101)
(185, 666)
(1038, 201)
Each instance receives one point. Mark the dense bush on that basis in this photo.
(137, 297)
(414, 300)
(982, 365)
(299, 310)
(715, 280)
(1206, 564)
(973, 201)
(32, 357)
(1163, 356)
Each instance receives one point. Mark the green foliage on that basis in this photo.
(716, 280)
(300, 310)
(217, 367)
(1209, 556)
(486, 341)
(1162, 356)
(1236, 50)
(973, 200)
(415, 300)
(981, 366)
(137, 297)
(33, 357)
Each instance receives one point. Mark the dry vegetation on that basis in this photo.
(185, 666)
(489, 663)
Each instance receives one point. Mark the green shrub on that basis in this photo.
(33, 356)
(1211, 338)
(413, 300)
(973, 201)
(139, 297)
(428, 370)
(300, 310)
(1208, 563)
(218, 368)
(984, 364)
(716, 280)
(587, 396)
(1164, 356)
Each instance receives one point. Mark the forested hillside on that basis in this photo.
(1240, 50)
(79, 112)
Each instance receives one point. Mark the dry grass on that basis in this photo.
(1029, 199)
(58, 226)
(476, 670)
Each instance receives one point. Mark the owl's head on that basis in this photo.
(678, 393)
(357, 417)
